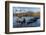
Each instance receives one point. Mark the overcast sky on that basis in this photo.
(25, 9)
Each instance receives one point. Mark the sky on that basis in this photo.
(25, 9)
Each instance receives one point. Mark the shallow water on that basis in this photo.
(18, 25)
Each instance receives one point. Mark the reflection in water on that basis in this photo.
(26, 21)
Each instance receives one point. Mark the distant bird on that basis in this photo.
(24, 20)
